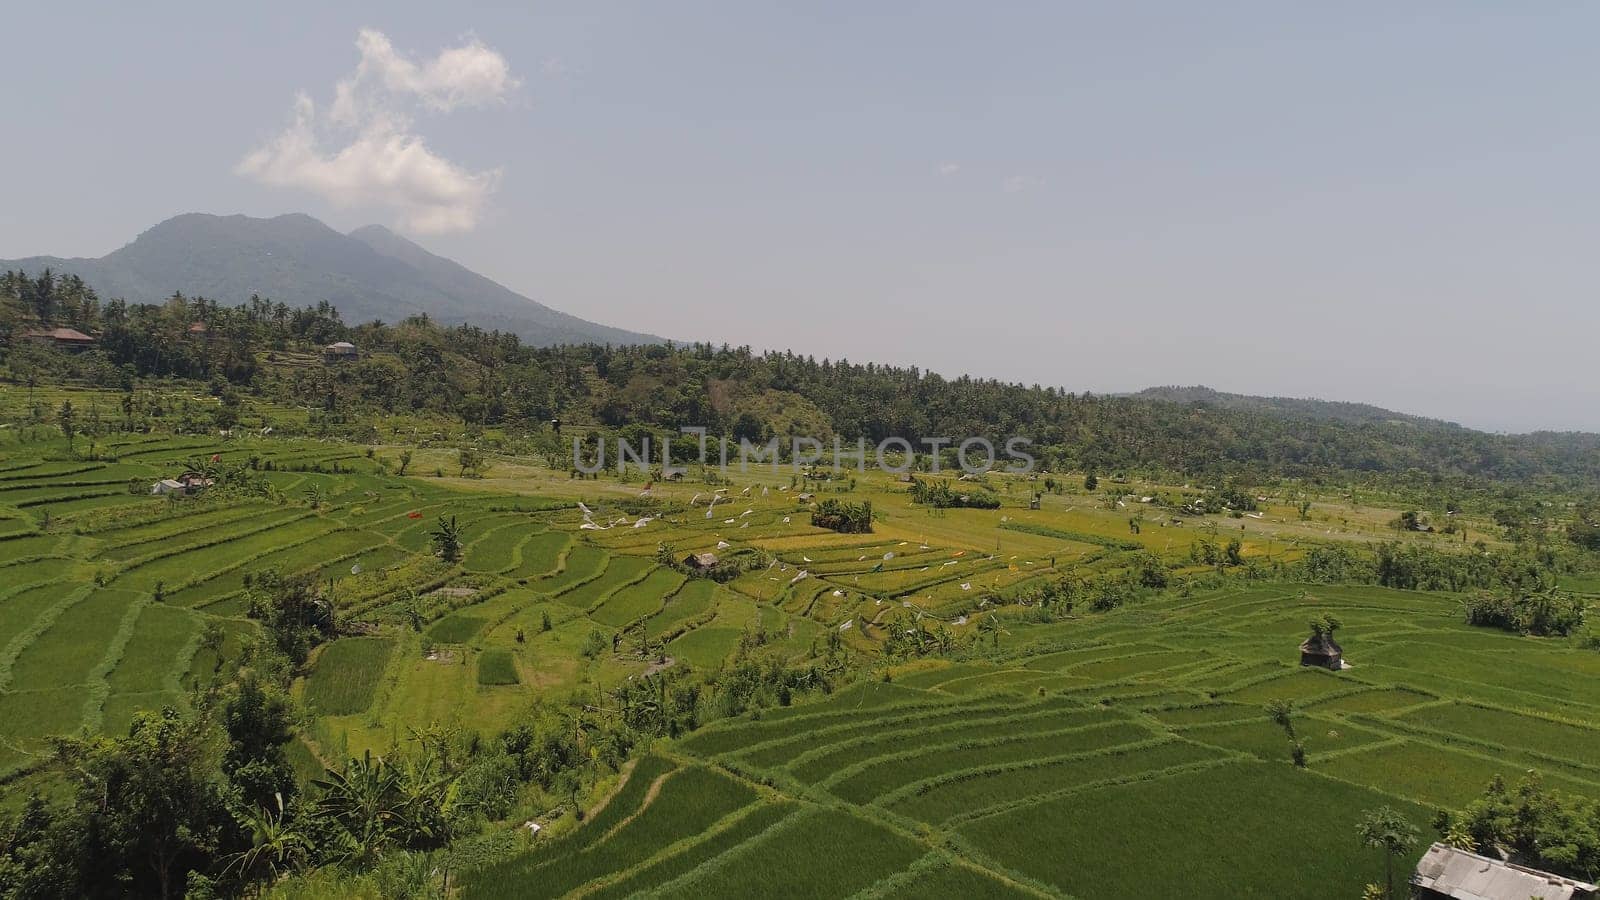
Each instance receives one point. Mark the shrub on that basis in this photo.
(1546, 613)
(940, 495)
(838, 515)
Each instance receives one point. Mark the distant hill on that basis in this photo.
(1294, 407)
(371, 273)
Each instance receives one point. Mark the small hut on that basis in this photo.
(1445, 872)
(1321, 649)
(700, 562)
(186, 484)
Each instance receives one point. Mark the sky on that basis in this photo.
(1379, 202)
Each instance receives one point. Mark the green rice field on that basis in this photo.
(1039, 756)
(1157, 747)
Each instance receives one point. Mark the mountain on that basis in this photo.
(1292, 407)
(370, 273)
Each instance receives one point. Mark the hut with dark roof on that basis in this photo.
(700, 562)
(1321, 649)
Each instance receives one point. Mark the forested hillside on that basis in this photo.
(490, 378)
(1336, 410)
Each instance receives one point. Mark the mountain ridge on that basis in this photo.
(1349, 412)
(370, 273)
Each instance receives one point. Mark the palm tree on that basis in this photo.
(66, 417)
(1282, 712)
(1386, 829)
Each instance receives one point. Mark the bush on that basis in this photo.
(1544, 614)
(940, 495)
(849, 518)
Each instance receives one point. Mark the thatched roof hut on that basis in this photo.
(701, 561)
(1322, 650)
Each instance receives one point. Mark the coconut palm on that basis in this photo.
(1282, 712)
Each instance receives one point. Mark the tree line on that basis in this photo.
(491, 379)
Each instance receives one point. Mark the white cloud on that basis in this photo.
(364, 149)
(469, 75)
(949, 168)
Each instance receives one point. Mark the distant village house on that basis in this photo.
(64, 338)
(184, 485)
(340, 351)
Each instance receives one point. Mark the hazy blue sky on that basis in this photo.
(1386, 202)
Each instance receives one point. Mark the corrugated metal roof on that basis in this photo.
(1468, 876)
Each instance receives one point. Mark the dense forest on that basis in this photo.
(490, 379)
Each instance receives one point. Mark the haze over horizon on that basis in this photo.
(1390, 205)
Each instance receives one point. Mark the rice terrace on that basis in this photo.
(855, 521)
(1034, 699)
